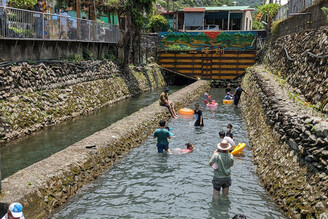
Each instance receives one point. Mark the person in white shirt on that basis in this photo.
(224, 137)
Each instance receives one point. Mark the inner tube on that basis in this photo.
(212, 105)
(186, 111)
(238, 149)
(225, 101)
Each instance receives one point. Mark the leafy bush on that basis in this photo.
(257, 25)
(325, 11)
(157, 23)
(87, 54)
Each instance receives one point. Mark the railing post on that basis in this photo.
(89, 30)
(43, 26)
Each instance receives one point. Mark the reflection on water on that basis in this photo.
(145, 184)
(19, 154)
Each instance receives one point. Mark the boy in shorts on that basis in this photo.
(162, 135)
(221, 163)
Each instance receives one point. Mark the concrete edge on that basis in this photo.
(46, 185)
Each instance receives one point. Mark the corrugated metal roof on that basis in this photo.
(229, 8)
(194, 9)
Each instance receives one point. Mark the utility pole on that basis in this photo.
(77, 6)
(167, 5)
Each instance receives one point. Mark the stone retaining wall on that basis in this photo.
(46, 185)
(289, 144)
(38, 96)
(307, 74)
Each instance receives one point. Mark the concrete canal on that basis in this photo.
(145, 184)
(17, 155)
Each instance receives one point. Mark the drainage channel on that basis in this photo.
(144, 184)
(17, 155)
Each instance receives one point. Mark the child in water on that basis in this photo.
(207, 97)
(228, 96)
(229, 133)
(169, 129)
(190, 148)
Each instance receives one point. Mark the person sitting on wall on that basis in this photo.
(15, 211)
(164, 101)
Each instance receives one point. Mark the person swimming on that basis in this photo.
(190, 147)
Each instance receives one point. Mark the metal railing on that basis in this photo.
(23, 24)
(292, 7)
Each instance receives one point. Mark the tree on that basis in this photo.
(268, 10)
(23, 4)
(134, 11)
(157, 23)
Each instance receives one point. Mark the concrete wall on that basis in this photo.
(37, 96)
(289, 144)
(21, 50)
(46, 185)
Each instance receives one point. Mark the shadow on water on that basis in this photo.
(144, 184)
(19, 154)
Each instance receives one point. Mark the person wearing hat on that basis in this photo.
(15, 211)
(164, 101)
(221, 162)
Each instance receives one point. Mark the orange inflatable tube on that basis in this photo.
(186, 111)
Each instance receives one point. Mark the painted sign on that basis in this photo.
(230, 40)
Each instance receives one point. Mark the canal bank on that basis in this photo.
(34, 97)
(145, 184)
(288, 139)
(16, 155)
(47, 184)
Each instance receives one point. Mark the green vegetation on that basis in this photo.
(87, 54)
(269, 11)
(157, 23)
(179, 4)
(257, 25)
(325, 11)
(24, 4)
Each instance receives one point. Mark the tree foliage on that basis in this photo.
(178, 4)
(157, 23)
(257, 25)
(23, 4)
(269, 9)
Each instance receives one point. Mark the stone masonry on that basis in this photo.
(36, 96)
(289, 142)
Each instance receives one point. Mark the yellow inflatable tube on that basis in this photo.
(238, 149)
(227, 101)
(186, 111)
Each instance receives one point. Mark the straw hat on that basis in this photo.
(224, 145)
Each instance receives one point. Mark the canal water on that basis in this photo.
(144, 184)
(19, 154)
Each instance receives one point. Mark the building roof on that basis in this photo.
(222, 8)
(194, 9)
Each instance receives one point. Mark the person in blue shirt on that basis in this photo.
(162, 135)
(237, 94)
